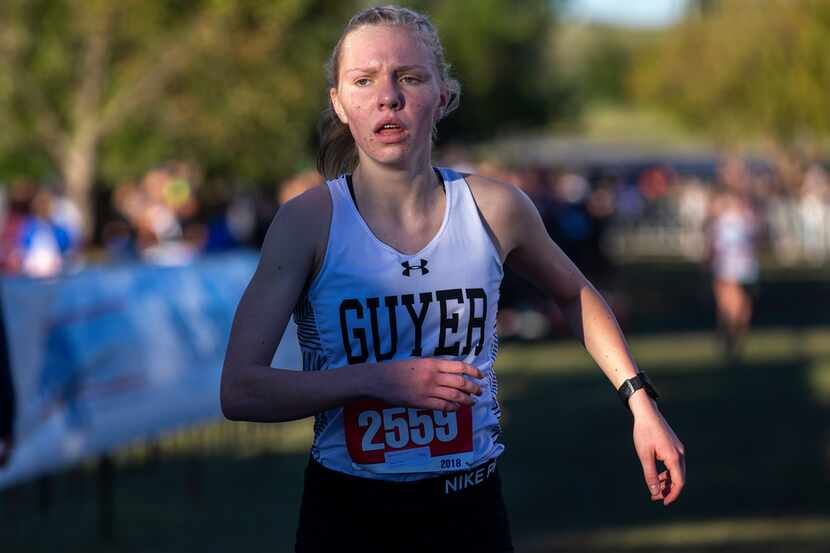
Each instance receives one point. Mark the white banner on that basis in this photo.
(112, 354)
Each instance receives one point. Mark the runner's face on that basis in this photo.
(389, 94)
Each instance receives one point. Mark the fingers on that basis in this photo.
(453, 395)
(663, 485)
(676, 477)
(650, 474)
(458, 367)
(459, 382)
(667, 485)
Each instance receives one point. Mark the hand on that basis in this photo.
(654, 440)
(425, 383)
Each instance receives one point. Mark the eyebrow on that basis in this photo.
(373, 70)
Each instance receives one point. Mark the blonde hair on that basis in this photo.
(338, 151)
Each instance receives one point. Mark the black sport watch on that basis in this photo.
(633, 384)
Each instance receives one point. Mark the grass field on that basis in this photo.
(757, 436)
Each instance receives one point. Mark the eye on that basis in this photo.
(411, 79)
(362, 81)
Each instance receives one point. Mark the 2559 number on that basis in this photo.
(399, 426)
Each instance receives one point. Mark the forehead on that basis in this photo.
(371, 46)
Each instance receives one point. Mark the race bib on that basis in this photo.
(388, 439)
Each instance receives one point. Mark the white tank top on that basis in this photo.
(735, 259)
(372, 303)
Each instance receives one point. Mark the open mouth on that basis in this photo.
(389, 128)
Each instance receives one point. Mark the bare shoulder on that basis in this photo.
(310, 209)
(503, 206)
(300, 228)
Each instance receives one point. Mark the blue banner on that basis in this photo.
(112, 354)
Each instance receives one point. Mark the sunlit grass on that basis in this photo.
(705, 533)
(624, 123)
(667, 352)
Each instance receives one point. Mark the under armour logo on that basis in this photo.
(407, 268)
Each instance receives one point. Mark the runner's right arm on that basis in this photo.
(251, 390)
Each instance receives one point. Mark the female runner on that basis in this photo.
(732, 236)
(392, 272)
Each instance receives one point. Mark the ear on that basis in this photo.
(338, 109)
(443, 101)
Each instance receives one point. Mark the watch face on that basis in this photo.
(628, 387)
(635, 383)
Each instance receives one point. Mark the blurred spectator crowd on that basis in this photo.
(663, 209)
(598, 213)
(603, 213)
(167, 217)
(40, 230)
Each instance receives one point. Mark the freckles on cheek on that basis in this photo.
(362, 134)
(363, 127)
(424, 108)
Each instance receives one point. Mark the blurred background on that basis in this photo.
(678, 151)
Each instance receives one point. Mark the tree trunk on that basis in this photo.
(78, 171)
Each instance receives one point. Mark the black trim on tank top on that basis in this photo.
(354, 198)
(351, 190)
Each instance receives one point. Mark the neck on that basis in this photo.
(397, 190)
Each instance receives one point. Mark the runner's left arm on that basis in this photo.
(520, 235)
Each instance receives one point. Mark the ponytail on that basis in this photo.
(338, 151)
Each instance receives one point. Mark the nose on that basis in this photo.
(389, 95)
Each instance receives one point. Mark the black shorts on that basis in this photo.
(456, 512)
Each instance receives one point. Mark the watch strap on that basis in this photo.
(637, 382)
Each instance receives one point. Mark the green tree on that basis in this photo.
(595, 60)
(498, 50)
(113, 84)
(103, 89)
(741, 72)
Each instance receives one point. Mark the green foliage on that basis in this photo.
(236, 85)
(249, 111)
(498, 49)
(741, 72)
(595, 60)
(101, 90)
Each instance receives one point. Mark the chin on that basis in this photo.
(402, 156)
